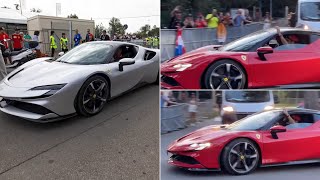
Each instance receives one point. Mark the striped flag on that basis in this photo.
(180, 49)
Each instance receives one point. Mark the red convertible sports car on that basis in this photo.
(264, 139)
(259, 60)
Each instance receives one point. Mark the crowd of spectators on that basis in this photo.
(211, 20)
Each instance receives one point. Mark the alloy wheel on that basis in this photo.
(95, 96)
(227, 76)
(243, 157)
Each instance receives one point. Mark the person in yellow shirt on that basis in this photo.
(212, 19)
(53, 44)
(64, 43)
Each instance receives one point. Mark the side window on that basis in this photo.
(316, 117)
(301, 121)
(149, 55)
(314, 38)
(294, 41)
(125, 51)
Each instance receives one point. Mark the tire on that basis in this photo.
(250, 157)
(91, 99)
(218, 77)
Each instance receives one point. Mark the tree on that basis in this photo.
(188, 7)
(36, 10)
(74, 16)
(115, 27)
(98, 30)
(311, 99)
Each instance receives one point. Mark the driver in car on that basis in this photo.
(291, 39)
(294, 121)
(118, 55)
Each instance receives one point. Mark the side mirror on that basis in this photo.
(61, 54)
(277, 129)
(125, 62)
(264, 50)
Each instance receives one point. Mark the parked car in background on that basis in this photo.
(307, 15)
(244, 103)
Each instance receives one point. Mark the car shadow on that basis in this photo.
(263, 170)
(20, 123)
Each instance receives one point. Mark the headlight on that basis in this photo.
(268, 108)
(51, 88)
(228, 109)
(181, 67)
(305, 27)
(200, 146)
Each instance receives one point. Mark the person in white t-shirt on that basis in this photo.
(193, 106)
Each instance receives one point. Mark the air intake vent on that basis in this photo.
(15, 74)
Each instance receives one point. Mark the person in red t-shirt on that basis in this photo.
(3, 36)
(200, 21)
(17, 40)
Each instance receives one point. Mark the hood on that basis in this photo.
(204, 54)
(202, 135)
(47, 73)
(195, 54)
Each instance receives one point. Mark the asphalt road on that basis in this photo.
(122, 142)
(296, 172)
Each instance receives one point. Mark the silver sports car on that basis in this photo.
(79, 82)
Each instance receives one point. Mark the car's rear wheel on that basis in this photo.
(240, 157)
(225, 74)
(92, 96)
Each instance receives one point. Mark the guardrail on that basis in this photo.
(194, 38)
(173, 118)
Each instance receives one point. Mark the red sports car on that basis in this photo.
(259, 60)
(264, 139)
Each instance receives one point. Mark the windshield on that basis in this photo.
(87, 54)
(255, 121)
(246, 43)
(247, 96)
(310, 11)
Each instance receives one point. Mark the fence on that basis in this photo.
(194, 38)
(175, 117)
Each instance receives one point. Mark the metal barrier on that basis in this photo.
(194, 38)
(173, 118)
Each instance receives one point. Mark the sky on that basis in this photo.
(134, 13)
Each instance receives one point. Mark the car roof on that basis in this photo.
(309, 0)
(115, 43)
(299, 110)
(290, 29)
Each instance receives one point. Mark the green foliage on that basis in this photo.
(115, 27)
(98, 30)
(147, 31)
(73, 16)
(188, 7)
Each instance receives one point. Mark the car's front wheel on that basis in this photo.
(92, 96)
(240, 157)
(225, 74)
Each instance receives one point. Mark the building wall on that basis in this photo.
(45, 24)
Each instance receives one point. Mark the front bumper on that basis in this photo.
(168, 86)
(28, 111)
(31, 105)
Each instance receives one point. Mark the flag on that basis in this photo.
(180, 49)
